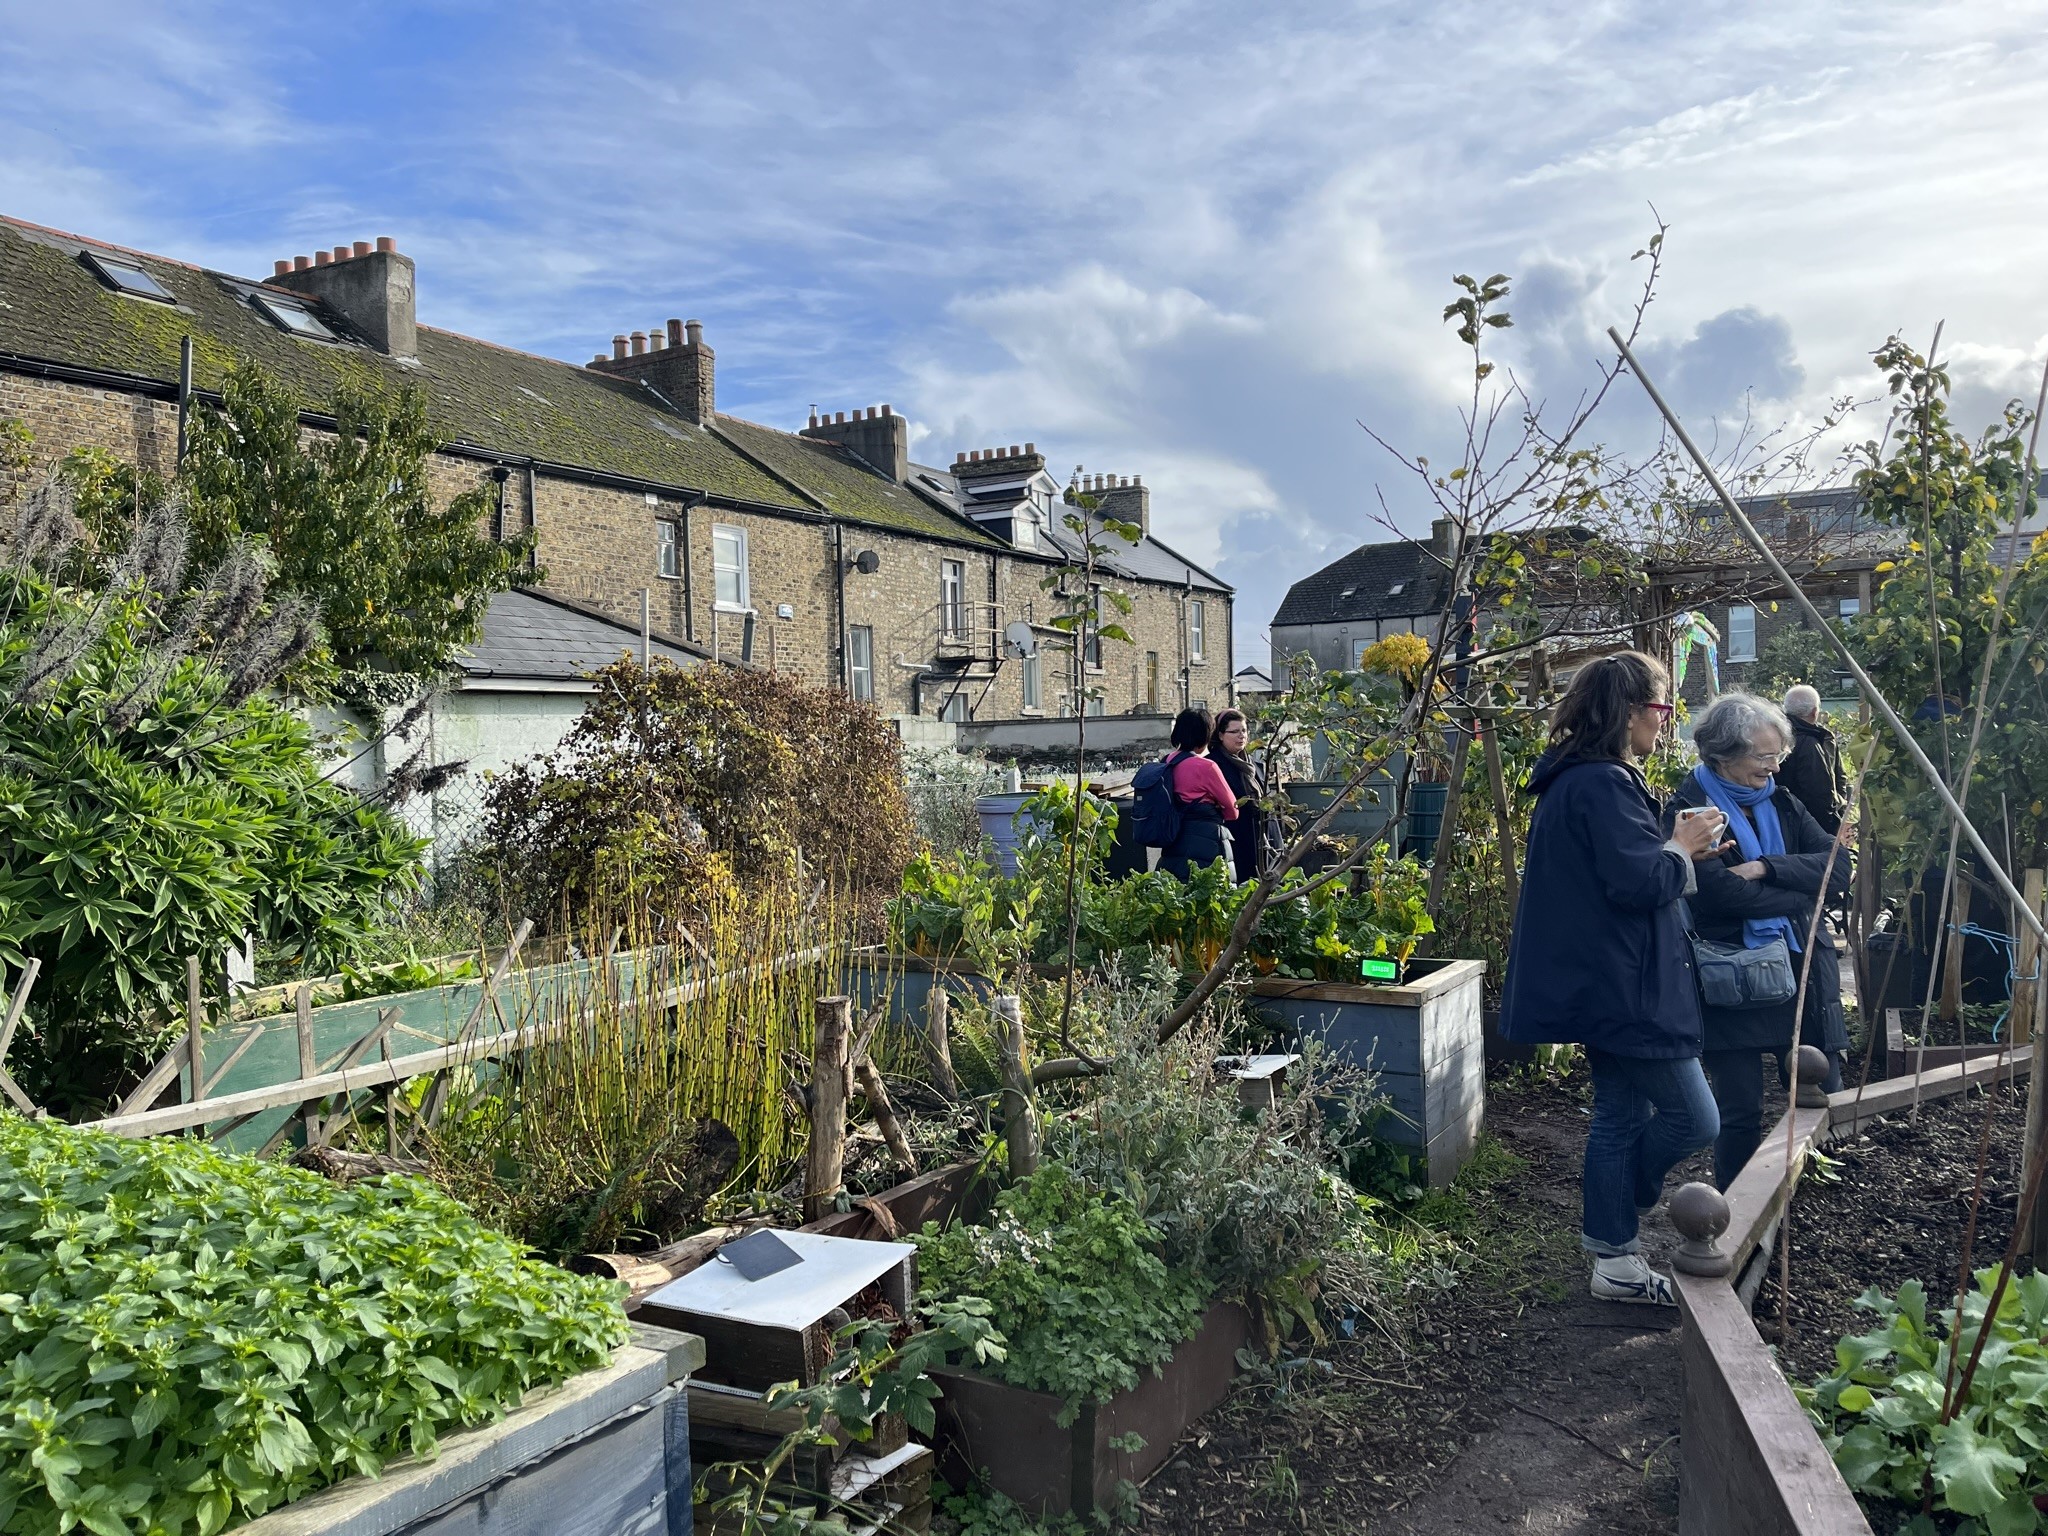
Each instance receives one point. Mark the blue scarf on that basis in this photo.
(1765, 837)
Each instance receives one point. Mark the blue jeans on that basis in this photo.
(1649, 1115)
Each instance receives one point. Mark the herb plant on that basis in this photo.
(191, 1337)
(1882, 1412)
(1076, 1282)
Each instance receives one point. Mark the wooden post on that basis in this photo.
(2022, 1011)
(195, 1023)
(2034, 1223)
(1447, 831)
(16, 1004)
(885, 1114)
(938, 1046)
(1952, 955)
(1020, 1111)
(825, 1160)
(1511, 879)
(309, 1063)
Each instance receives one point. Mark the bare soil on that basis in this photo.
(1522, 1405)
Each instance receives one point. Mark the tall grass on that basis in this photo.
(669, 1076)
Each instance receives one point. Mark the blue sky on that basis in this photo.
(1197, 242)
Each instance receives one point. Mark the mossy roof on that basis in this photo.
(55, 310)
(850, 489)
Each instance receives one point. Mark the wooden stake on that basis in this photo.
(195, 1023)
(8, 1086)
(309, 1062)
(437, 1096)
(2034, 1219)
(1952, 954)
(1446, 832)
(2021, 1014)
(938, 1045)
(825, 1160)
(1020, 1110)
(885, 1115)
(1511, 879)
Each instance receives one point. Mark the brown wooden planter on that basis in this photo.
(1425, 1039)
(1013, 1439)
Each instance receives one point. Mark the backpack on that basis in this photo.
(1155, 813)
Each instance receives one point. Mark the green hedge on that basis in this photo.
(190, 1337)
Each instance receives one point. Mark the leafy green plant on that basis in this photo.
(1076, 1283)
(879, 1368)
(1887, 1416)
(194, 1337)
(411, 974)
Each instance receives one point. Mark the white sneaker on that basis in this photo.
(1628, 1277)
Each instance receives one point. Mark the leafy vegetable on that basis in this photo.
(1881, 1412)
(190, 1337)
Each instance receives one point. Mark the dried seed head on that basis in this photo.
(48, 527)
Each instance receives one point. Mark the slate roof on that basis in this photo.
(848, 488)
(1362, 586)
(1147, 560)
(534, 636)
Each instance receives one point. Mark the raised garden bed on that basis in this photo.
(1013, 1438)
(605, 1454)
(1423, 1037)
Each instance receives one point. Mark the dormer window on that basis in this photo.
(291, 315)
(126, 277)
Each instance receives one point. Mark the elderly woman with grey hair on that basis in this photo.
(1765, 887)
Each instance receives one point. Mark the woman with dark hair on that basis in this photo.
(1600, 956)
(1764, 888)
(1204, 796)
(1227, 751)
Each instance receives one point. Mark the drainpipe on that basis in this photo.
(646, 630)
(690, 504)
(532, 516)
(839, 575)
(184, 391)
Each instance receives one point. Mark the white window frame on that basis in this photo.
(955, 708)
(1748, 654)
(1848, 607)
(1198, 630)
(1031, 684)
(668, 549)
(952, 598)
(860, 662)
(720, 568)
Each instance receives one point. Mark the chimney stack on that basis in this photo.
(673, 361)
(1125, 498)
(369, 286)
(1443, 537)
(877, 436)
(1000, 463)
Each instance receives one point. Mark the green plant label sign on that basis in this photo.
(1379, 970)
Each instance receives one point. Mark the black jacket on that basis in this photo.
(1599, 953)
(1724, 899)
(1813, 771)
(1249, 830)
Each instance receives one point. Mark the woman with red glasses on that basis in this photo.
(1600, 956)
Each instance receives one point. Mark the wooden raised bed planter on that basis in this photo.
(1013, 1439)
(1424, 1038)
(606, 1453)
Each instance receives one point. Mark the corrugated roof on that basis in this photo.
(54, 310)
(535, 636)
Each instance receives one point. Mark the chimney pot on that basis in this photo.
(300, 263)
(1031, 447)
(639, 342)
(341, 252)
(655, 340)
(960, 457)
(279, 268)
(675, 333)
(362, 247)
(886, 411)
(838, 417)
(596, 362)
(695, 329)
(321, 258)
(1137, 480)
(386, 245)
(1013, 450)
(618, 348)
(873, 414)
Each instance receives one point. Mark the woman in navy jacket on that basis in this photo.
(1741, 742)
(1600, 956)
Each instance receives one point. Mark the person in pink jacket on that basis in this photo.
(1203, 794)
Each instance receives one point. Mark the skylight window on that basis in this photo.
(124, 277)
(1395, 589)
(293, 316)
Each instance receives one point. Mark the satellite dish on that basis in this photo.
(867, 562)
(1022, 641)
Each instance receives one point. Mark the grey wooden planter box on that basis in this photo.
(1424, 1039)
(605, 1454)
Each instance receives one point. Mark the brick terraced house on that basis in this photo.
(824, 551)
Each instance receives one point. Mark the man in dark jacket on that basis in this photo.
(1814, 771)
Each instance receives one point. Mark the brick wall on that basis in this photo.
(66, 416)
(1773, 615)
